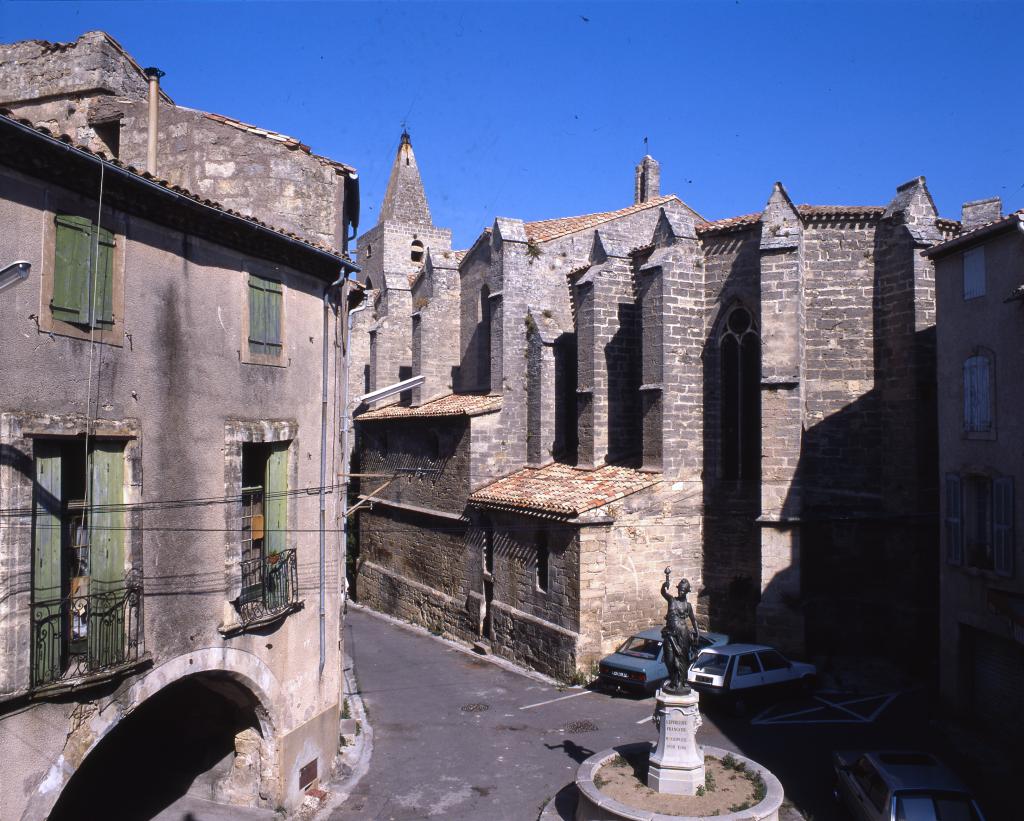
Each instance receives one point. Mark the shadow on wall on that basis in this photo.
(180, 740)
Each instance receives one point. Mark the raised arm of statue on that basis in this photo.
(665, 594)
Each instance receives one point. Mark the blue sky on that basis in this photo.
(538, 110)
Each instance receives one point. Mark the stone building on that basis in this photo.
(166, 621)
(747, 400)
(979, 277)
(94, 91)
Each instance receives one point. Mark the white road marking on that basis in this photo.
(553, 700)
(856, 718)
(642, 720)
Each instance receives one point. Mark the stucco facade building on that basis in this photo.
(747, 400)
(166, 622)
(979, 277)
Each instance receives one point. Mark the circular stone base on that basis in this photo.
(593, 805)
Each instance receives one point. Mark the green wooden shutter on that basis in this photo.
(71, 291)
(47, 620)
(106, 638)
(103, 313)
(275, 505)
(1002, 521)
(264, 315)
(275, 500)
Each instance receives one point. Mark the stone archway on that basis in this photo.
(206, 723)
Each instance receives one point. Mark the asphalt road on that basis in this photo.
(457, 737)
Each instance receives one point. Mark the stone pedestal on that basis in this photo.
(677, 763)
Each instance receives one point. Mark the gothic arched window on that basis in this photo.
(740, 350)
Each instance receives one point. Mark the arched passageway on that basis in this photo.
(201, 734)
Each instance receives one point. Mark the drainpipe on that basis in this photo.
(346, 425)
(323, 461)
(153, 75)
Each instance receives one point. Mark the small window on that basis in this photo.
(543, 556)
(977, 511)
(1004, 547)
(978, 394)
(488, 549)
(772, 660)
(83, 273)
(747, 665)
(110, 133)
(416, 254)
(265, 298)
(369, 255)
(974, 273)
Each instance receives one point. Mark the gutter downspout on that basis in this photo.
(323, 462)
(346, 425)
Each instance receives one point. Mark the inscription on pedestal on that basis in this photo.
(677, 763)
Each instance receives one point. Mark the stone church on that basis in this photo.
(747, 400)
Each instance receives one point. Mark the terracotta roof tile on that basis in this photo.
(562, 489)
(857, 211)
(8, 115)
(729, 223)
(544, 230)
(966, 235)
(461, 404)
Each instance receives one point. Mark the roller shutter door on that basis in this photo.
(998, 692)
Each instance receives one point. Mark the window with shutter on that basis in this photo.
(974, 273)
(83, 273)
(265, 303)
(1002, 524)
(954, 528)
(977, 394)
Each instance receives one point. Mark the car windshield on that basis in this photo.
(923, 806)
(712, 663)
(639, 646)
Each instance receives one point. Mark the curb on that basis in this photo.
(355, 760)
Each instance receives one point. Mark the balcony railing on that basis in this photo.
(85, 635)
(270, 587)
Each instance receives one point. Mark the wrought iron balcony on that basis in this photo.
(86, 635)
(270, 587)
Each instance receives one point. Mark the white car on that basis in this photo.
(739, 672)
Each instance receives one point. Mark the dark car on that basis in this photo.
(639, 664)
(901, 786)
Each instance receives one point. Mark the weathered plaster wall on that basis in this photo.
(177, 371)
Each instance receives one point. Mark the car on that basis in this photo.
(639, 664)
(741, 672)
(901, 785)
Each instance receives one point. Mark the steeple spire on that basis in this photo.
(404, 199)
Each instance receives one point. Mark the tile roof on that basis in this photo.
(974, 232)
(807, 212)
(544, 230)
(461, 404)
(561, 489)
(8, 115)
(284, 139)
(728, 223)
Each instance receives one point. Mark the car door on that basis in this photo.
(866, 790)
(777, 671)
(746, 672)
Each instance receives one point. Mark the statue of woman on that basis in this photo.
(677, 636)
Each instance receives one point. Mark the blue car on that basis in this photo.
(639, 664)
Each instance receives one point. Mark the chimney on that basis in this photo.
(979, 212)
(153, 75)
(648, 180)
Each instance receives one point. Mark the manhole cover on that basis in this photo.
(475, 708)
(583, 726)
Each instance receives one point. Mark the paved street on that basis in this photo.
(457, 737)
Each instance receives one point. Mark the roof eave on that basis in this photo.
(986, 231)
